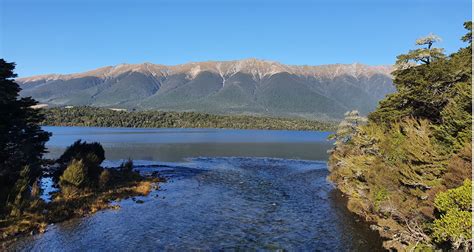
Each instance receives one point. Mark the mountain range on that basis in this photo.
(248, 86)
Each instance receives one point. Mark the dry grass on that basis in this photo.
(143, 187)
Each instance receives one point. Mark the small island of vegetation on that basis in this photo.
(407, 169)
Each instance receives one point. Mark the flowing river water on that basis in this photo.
(225, 190)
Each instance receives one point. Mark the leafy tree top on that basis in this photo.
(426, 54)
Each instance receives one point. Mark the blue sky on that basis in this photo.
(65, 36)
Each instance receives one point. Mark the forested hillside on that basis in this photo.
(101, 117)
(407, 169)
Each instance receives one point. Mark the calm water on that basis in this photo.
(226, 190)
(179, 144)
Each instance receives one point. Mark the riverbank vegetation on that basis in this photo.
(407, 169)
(84, 187)
(103, 117)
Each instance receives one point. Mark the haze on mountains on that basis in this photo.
(248, 86)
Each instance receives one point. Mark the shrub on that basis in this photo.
(459, 168)
(80, 150)
(75, 174)
(69, 191)
(91, 154)
(459, 198)
(36, 189)
(454, 224)
(104, 178)
(143, 188)
(92, 163)
(455, 227)
(21, 192)
(348, 127)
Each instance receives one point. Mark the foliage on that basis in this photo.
(75, 202)
(426, 90)
(425, 55)
(80, 150)
(102, 117)
(468, 36)
(75, 174)
(21, 192)
(417, 144)
(21, 139)
(459, 198)
(455, 129)
(459, 168)
(454, 224)
(455, 227)
(91, 154)
(104, 178)
(348, 127)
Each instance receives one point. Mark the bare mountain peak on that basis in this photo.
(258, 68)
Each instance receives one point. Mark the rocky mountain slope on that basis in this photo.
(248, 86)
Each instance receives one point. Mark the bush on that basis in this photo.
(92, 163)
(75, 174)
(104, 178)
(21, 192)
(80, 150)
(91, 154)
(70, 191)
(348, 127)
(454, 224)
(459, 198)
(459, 168)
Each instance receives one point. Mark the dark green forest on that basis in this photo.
(103, 117)
(407, 169)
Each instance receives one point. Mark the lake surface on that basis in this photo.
(226, 190)
(179, 144)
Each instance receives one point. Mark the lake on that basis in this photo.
(225, 190)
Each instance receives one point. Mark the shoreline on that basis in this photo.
(183, 128)
(36, 219)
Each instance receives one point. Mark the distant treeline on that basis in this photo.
(103, 117)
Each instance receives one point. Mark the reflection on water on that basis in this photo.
(220, 202)
(179, 152)
(178, 144)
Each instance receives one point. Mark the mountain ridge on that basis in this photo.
(248, 86)
(191, 67)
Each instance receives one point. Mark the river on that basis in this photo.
(225, 190)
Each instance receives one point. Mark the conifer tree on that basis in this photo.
(21, 138)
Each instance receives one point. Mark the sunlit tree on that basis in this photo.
(425, 55)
